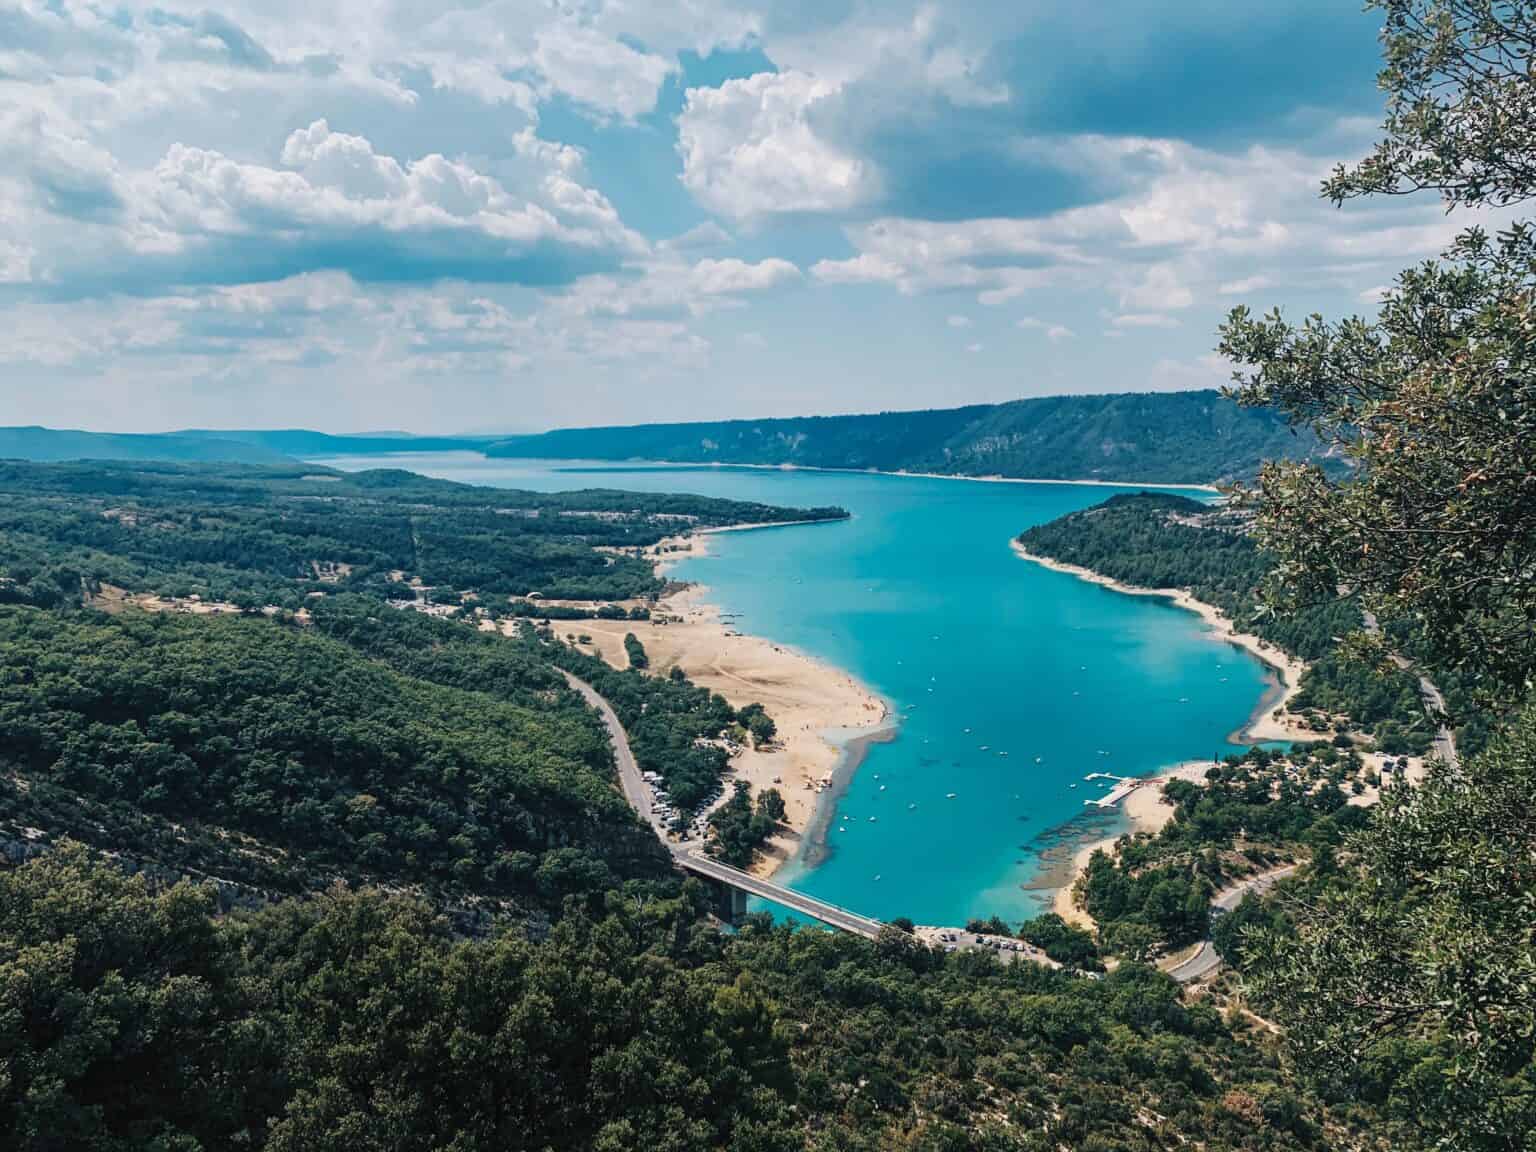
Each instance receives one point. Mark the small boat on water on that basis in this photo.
(871, 819)
(882, 787)
(950, 795)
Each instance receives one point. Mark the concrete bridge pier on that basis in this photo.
(730, 902)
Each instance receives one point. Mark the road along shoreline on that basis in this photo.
(825, 717)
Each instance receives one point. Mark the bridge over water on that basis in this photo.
(732, 886)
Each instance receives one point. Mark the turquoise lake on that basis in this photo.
(977, 652)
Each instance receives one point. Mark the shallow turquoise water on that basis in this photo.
(978, 653)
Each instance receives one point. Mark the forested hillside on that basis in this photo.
(46, 444)
(358, 877)
(323, 761)
(1159, 540)
(1171, 437)
(270, 536)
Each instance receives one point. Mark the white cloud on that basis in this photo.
(1243, 287)
(730, 277)
(667, 287)
(1144, 320)
(706, 235)
(956, 321)
(1158, 287)
(867, 268)
(1055, 333)
(600, 71)
(332, 201)
(749, 149)
(1186, 230)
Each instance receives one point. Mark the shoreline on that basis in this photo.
(1269, 720)
(991, 479)
(670, 550)
(1143, 810)
(826, 718)
(612, 465)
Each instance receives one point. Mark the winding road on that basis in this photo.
(1206, 959)
(1434, 703)
(638, 795)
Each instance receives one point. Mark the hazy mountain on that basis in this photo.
(303, 442)
(46, 444)
(1172, 437)
(1169, 437)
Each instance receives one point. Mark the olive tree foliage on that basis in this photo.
(1411, 978)
(1433, 403)
(1461, 110)
(1415, 988)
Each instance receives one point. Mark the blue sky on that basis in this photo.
(452, 215)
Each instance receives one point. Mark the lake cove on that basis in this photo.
(1008, 683)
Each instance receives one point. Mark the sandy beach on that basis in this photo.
(1270, 720)
(816, 707)
(1145, 810)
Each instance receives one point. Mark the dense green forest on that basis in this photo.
(261, 536)
(1176, 437)
(134, 1018)
(1159, 540)
(322, 759)
(1253, 812)
(1382, 998)
(741, 826)
(673, 725)
(361, 878)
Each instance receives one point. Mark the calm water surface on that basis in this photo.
(978, 652)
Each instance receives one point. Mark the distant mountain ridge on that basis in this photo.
(301, 442)
(45, 445)
(1150, 438)
(1168, 437)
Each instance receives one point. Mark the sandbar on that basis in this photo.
(817, 708)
